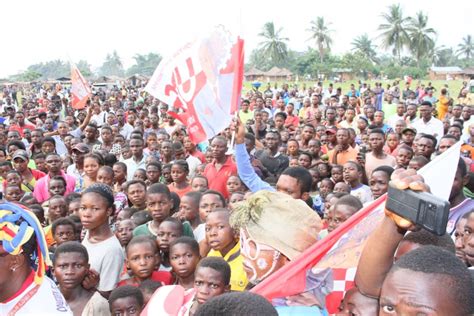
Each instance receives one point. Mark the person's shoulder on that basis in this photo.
(141, 230)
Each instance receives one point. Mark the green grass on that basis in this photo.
(454, 85)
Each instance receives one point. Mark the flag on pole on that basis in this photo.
(202, 83)
(324, 272)
(80, 89)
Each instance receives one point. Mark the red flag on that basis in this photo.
(325, 271)
(80, 89)
(202, 83)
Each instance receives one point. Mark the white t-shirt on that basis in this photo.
(363, 193)
(45, 301)
(106, 257)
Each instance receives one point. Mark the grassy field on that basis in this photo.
(453, 85)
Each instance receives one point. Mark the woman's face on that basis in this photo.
(91, 167)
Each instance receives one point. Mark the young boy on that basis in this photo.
(418, 162)
(148, 287)
(344, 208)
(158, 203)
(224, 243)
(184, 257)
(124, 231)
(168, 231)
(199, 183)
(63, 230)
(352, 174)
(142, 259)
(126, 300)
(105, 175)
(70, 267)
(189, 211)
(404, 155)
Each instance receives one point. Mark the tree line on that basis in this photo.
(410, 41)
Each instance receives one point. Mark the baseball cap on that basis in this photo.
(409, 129)
(81, 147)
(22, 154)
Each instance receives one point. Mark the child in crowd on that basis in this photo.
(124, 231)
(105, 251)
(140, 174)
(324, 170)
(92, 163)
(305, 160)
(352, 175)
(126, 300)
(73, 201)
(153, 172)
(57, 186)
(158, 204)
(71, 266)
(224, 243)
(148, 288)
(179, 174)
(293, 162)
(234, 184)
(403, 157)
(136, 193)
(235, 198)
(418, 162)
(63, 230)
(166, 174)
(189, 211)
(342, 187)
(126, 213)
(78, 226)
(200, 169)
(140, 218)
(326, 186)
(13, 193)
(184, 257)
(344, 208)
(120, 176)
(199, 183)
(168, 231)
(336, 174)
(105, 175)
(142, 260)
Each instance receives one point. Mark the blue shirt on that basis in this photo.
(246, 171)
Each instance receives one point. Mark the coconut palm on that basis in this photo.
(421, 36)
(466, 48)
(320, 32)
(363, 45)
(394, 34)
(273, 46)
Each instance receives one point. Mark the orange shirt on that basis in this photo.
(179, 192)
(344, 156)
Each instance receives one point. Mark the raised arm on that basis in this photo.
(244, 167)
(87, 119)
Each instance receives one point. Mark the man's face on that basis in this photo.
(406, 292)
(136, 147)
(272, 141)
(376, 141)
(289, 185)
(13, 135)
(342, 137)
(20, 164)
(425, 112)
(466, 113)
(218, 148)
(330, 115)
(308, 133)
(425, 147)
(457, 110)
(20, 118)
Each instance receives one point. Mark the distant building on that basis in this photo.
(253, 74)
(445, 73)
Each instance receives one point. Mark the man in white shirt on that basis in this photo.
(428, 124)
(138, 159)
(399, 115)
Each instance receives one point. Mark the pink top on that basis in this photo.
(41, 187)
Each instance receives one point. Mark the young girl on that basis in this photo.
(293, 149)
(151, 143)
(179, 174)
(140, 174)
(184, 257)
(92, 164)
(234, 198)
(166, 175)
(234, 184)
(105, 251)
(199, 183)
(391, 144)
(168, 231)
(352, 175)
(336, 174)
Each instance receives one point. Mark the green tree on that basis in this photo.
(466, 48)
(144, 64)
(112, 65)
(85, 68)
(273, 45)
(394, 34)
(363, 45)
(51, 69)
(26, 76)
(320, 32)
(421, 36)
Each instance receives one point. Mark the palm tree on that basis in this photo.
(320, 32)
(466, 48)
(273, 46)
(421, 36)
(363, 45)
(394, 35)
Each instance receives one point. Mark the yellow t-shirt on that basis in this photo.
(238, 277)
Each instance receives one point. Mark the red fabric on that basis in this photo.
(163, 277)
(20, 129)
(218, 178)
(293, 120)
(37, 174)
(199, 155)
(291, 279)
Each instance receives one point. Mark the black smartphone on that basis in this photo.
(421, 208)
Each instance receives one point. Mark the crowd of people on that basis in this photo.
(114, 210)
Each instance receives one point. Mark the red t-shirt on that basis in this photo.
(218, 178)
(164, 277)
